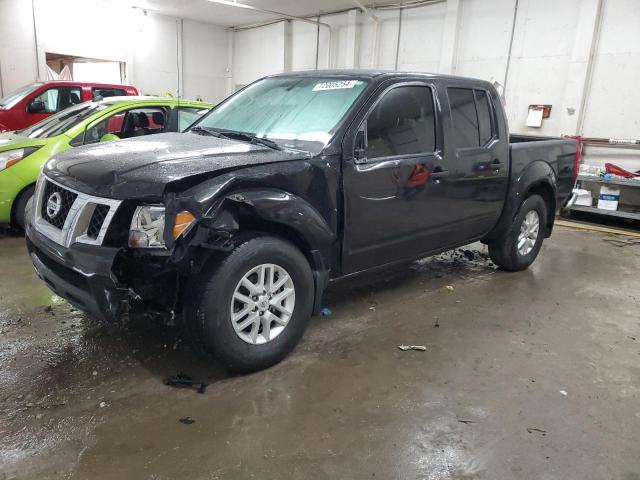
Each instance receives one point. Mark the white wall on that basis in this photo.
(303, 48)
(162, 54)
(258, 52)
(550, 53)
(549, 60)
(18, 64)
(205, 52)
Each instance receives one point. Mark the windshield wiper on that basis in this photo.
(206, 131)
(235, 135)
(248, 137)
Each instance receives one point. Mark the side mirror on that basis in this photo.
(359, 150)
(36, 106)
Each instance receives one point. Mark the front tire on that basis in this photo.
(520, 246)
(251, 308)
(20, 207)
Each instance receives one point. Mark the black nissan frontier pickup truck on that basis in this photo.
(297, 180)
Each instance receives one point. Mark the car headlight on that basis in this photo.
(147, 226)
(11, 157)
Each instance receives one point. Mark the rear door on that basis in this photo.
(478, 184)
(393, 173)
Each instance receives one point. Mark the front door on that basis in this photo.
(52, 100)
(395, 183)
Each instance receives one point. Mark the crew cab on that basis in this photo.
(293, 183)
(36, 101)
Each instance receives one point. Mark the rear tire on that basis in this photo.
(244, 334)
(520, 246)
(20, 206)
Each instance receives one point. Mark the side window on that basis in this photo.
(484, 116)
(59, 98)
(98, 92)
(464, 117)
(402, 123)
(187, 116)
(132, 123)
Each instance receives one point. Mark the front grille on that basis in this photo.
(97, 219)
(55, 208)
(67, 216)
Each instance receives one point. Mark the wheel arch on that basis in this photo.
(278, 213)
(544, 190)
(538, 177)
(17, 199)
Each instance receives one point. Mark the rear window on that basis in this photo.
(483, 106)
(471, 117)
(101, 92)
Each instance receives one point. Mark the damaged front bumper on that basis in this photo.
(81, 274)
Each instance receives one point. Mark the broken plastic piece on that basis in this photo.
(420, 348)
(182, 380)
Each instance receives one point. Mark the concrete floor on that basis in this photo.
(534, 375)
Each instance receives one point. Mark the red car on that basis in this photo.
(33, 102)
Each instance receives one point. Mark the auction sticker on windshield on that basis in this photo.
(336, 85)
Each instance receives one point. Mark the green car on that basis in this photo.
(23, 153)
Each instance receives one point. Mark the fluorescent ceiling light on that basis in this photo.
(230, 3)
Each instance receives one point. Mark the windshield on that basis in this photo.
(62, 121)
(14, 97)
(299, 112)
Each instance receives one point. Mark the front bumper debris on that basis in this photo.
(81, 274)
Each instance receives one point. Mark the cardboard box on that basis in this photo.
(609, 197)
(583, 197)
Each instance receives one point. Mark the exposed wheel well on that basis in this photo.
(279, 230)
(546, 192)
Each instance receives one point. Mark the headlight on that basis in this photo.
(12, 157)
(147, 226)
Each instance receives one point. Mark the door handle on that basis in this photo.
(496, 164)
(439, 173)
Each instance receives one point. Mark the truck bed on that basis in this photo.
(558, 152)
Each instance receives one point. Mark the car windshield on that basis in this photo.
(14, 97)
(300, 112)
(62, 121)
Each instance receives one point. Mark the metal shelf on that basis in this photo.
(602, 211)
(616, 181)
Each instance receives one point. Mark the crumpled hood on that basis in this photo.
(140, 168)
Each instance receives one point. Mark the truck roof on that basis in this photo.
(375, 73)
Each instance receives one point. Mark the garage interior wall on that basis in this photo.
(162, 54)
(550, 50)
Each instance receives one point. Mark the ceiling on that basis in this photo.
(209, 12)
